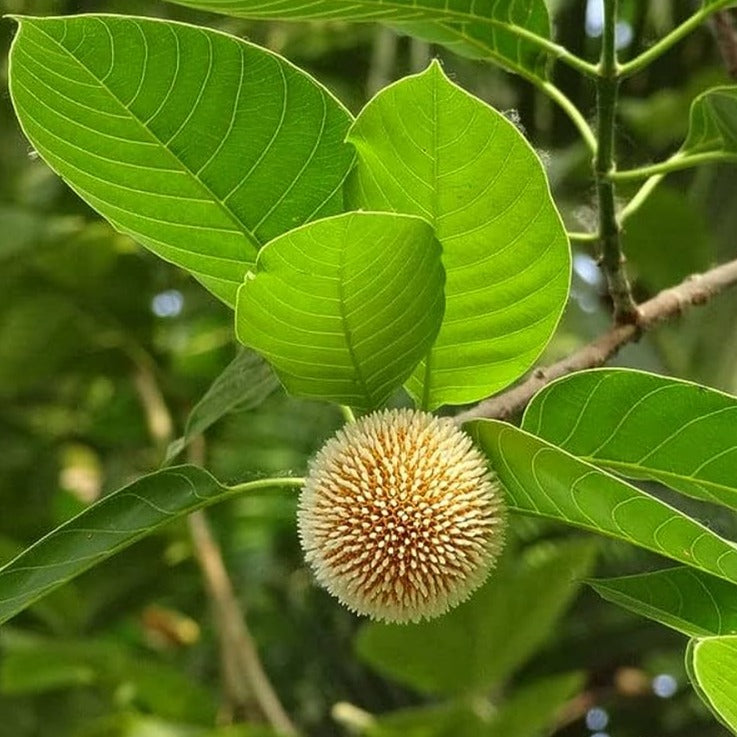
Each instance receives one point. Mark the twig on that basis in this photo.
(244, 678)
(612, 260)
(244, 671)
(696, 290)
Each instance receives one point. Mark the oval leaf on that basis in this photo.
(713, 122)
(198, 145)
(545, 481)
(644, 426)
(684, 599)
(467, 170)
(712, 663)
(106, 527)
(501, 30)
(344, 308)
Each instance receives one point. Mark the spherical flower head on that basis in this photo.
(400, 517)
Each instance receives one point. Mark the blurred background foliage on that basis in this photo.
(94, 331)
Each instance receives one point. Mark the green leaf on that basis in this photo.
(504, 31)
(712, 663)
(200, 146)
(545, 481)
(467, 170)
(644, 426)
(485, 640)
(344, 308)
(106, 527)
(686, 600)
(244, 383)
(713, 122)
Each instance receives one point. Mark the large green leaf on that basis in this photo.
(712, 664)
(546, 481)
(344, 308)
(197, 144)
(243, 384)
(105, 528)
(509, 32)
(486, 639)
(465, 168)
(713, 122)
(687, 600)
(643, 425)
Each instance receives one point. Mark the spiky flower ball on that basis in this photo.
(400, 517)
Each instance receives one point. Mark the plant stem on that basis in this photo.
(348, 413)
(582, 237)
(570, 110)
(612, 260)
(676, 162)
(639, 199)
(658, 49)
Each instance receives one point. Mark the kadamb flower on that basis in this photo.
(400, 517)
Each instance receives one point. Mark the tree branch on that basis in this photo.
(246, 679)
(696, 290)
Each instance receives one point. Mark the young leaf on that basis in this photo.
(643, 425)
(506, 620)
(244, 383)
(684, 599)
(344, 308)
(545, 481)
(713, 122)
(106, 527)
(711, 663)
(198, 145)
(467, 169)
(504, 31)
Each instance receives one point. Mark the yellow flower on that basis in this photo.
(400, 517)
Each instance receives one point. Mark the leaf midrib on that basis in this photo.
(250, 237)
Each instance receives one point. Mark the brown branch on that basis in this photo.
(246, 679)
(245, 682)
(696, 290)
(248, 689)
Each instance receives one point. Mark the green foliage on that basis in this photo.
(544, 480)
(419, 244)
(103, 529)
(153, 146)
(711, 661)
(644, 426)
(244, 384)
(687, 600)
(713, 122)
(467, 170)
(504, 31)
(346, 307)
